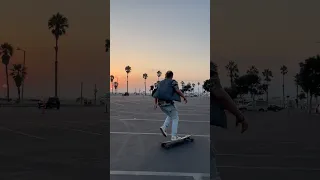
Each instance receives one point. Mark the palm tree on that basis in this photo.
(128, 70)
(182, 84)
(193, 85)
(111, 79)
(6, 52)
(18, 73)
(145, 76)
(116, 84)
(58, 25)
(267, 74)
(198, 88)
(107, 45)
(284, 71)
(233, 71)
(296, 82)
(253, 70)
(159, 73)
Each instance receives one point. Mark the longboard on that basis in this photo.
(169, 144)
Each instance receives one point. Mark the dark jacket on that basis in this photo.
(166, 90)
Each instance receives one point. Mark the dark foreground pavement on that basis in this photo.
(72, 143)
(277, 146)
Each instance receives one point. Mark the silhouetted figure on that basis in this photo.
(220, 100)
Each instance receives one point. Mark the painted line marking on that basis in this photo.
(160, 134)
(270, 155)
(272, 168)
(196, 176)
(71, 129)
(157, 120)
(117, 104)
(191, 114)
(21, 133)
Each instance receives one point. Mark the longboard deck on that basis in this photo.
(168, 144)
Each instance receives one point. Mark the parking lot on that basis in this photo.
(135, 141)
(76, 143)
(72, 143)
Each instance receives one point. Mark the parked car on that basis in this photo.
(275, 108)
(254, 106)
(52, 102)
(125, 94)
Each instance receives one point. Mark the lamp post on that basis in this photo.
(24, 65)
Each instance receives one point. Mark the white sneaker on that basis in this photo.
(163, 131)
(174, 138)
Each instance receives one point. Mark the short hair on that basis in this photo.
(169, 74)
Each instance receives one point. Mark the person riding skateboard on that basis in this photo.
(165, 95)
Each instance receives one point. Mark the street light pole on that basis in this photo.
(24, 65)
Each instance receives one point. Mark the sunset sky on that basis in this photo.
(266, 34)
(159, 35)
(82, 55)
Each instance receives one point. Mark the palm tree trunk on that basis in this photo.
(112, 86)
(297, 91)
(127, 84)
(310, 103)
(145, 87)
(18, 94)
(267, 95)
(8, 91)
(283, 98)
(56, 70)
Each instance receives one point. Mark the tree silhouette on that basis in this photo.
(182, 84)
(58, 25)
(309, 77)
(128, 70)
(145, 76)
(159, 73)
(253, 70)
(18, 73)
(267, 74)
(116, 84)
(193, 85)
(151, 88)
(6, 52)
(233, 71)
(284, 71)
(198, 88)
(111, 79)
(296, 82)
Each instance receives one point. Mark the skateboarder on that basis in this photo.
(220, 100)
(165, 97)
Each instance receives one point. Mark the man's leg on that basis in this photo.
(166, 122)
(175, 120)
(163, 128)
(214, 174)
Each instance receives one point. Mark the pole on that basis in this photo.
(24, 65)
(81, 97)
(95, 94)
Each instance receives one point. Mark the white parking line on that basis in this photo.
(117, 104)
(160, 134)
(142, 113)
(71, 129)
(196, 176)
(272, 168)
(158, 120)
(269, 155)
(21, 133)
